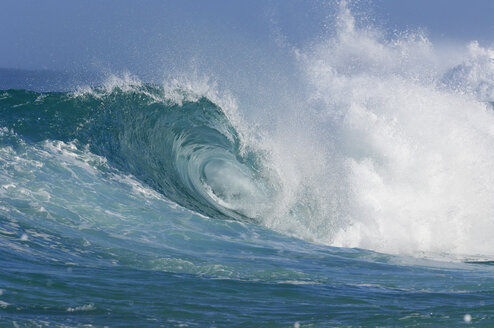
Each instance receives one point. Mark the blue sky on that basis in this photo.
(156, 36)
(451, 19)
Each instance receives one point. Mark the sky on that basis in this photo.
(153, 37)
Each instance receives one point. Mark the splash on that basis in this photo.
(399, 153)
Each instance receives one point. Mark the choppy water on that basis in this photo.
(367, 204)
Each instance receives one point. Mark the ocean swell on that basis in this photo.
(188, 151)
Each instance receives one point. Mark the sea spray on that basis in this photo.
(415, 147)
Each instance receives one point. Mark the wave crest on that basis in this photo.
(189, 151)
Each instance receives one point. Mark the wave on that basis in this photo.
(190, 152)
(390, 148)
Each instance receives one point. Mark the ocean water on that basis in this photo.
(368, 203)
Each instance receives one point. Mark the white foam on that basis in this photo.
(85, 307)
(125, 82)
(393, 150)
